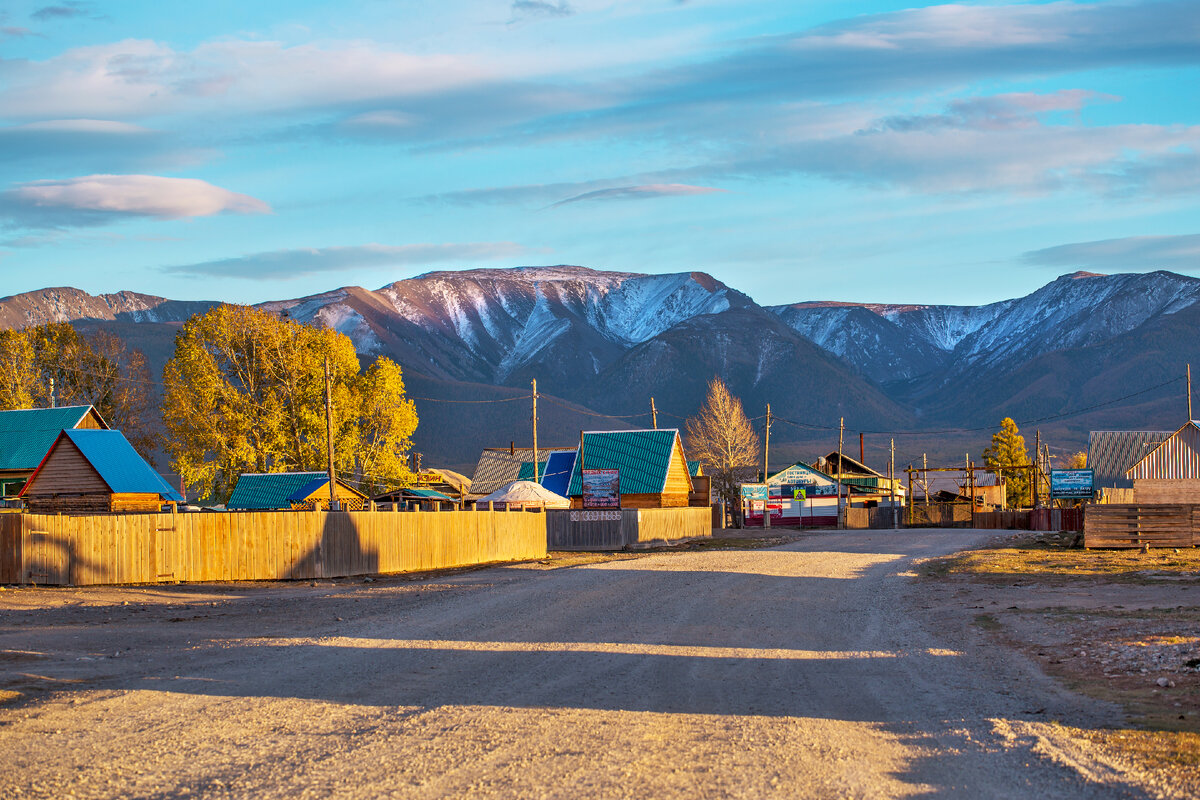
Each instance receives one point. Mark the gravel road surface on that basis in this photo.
(810, 670)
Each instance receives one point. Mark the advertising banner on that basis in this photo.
(601, 488)
(1072, 484)
(754, 491)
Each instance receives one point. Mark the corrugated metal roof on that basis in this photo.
(1111, 453)
(693, 468)
(642, 457)
(118, 464)
(499, 467)
(26, 434)
(1177, 458)
(261, 491)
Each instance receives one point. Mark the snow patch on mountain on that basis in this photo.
(541, 328)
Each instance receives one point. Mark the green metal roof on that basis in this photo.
(642, 457)
(263, 491)
(693, 468)
(26, 434)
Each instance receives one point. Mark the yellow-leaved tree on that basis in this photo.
(245, 392)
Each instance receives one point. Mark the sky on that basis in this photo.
(858, 151)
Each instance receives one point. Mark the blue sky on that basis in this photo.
(875, 152)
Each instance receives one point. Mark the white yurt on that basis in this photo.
(523, 494)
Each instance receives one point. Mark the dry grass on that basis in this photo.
(1051, 557)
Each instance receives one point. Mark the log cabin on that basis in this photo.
(653, 472)
(95, 471)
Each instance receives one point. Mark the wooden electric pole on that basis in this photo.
(841, 437)
(767, 446)
(329, 439)
(653, 414)
(1037, 464)
(892, 485)
(1189, 391)
(536, 477)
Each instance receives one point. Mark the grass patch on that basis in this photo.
(1050, 557)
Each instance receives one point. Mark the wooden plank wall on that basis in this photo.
(153, 548)
(1148, 491)
(662, 525)
(1136, 526)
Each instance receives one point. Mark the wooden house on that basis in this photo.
(1170, 473)
(95, 471)
(281, 491)
(26, 435)
(414, 497)
(652, 470)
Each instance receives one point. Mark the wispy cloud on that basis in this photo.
(99, 199)
(276, 264)
(1133, 253)
(523, 9)
(68, 9)
(645, 192)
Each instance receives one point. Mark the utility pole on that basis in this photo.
(1189, 391)
(925, 476)
(1037, 458)
(536, 468)
(892, 485)
(329, 438)
(841, 436)
(767, 446)
(653, 414)
(862, 450)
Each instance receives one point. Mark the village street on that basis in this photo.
(805, 671)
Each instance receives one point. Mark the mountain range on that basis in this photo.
(601, 344)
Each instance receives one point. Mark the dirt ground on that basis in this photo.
(824, 667)
(1117, 626)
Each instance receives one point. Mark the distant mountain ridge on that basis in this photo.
(605, 342)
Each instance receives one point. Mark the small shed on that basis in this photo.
(652, 470)
(1170, 473)
(408, 496)
(281, 491)
(95, 471)
(26, 435)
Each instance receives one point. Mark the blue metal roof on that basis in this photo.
(557, 477)
(119, 465)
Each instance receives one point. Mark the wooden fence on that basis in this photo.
(616, 529)
(1136, 526)
(938, 515)
(155, 548)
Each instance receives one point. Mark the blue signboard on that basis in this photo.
(1072, 484)
(754, 491)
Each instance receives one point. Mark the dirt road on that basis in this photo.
(805, 671)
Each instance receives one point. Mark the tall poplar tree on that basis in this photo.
(1008, 450)
(245, 392)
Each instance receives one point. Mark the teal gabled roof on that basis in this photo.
(118, 464)
(264, 491)
(643, 458)
(26, 434)
(693, 468)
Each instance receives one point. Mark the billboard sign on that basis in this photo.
(754, 491)
(601, 488)
(1072, 484)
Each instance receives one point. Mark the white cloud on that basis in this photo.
(96, 199)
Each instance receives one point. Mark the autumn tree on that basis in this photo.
(1006, 452)
(1077, 460)
(245, 392)
(54, 364)
(721, 437)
